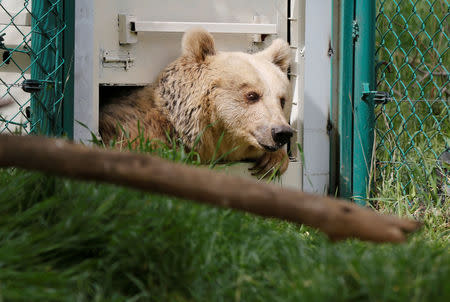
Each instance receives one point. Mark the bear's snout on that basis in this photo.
(282, 134)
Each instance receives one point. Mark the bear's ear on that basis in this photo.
(198, 44)
(279, 53)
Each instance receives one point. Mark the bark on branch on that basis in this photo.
(337, 218)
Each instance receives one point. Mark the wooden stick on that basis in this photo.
(337, 218)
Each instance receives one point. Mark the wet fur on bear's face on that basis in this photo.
(241, 95)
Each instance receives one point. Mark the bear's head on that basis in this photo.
(238, 94)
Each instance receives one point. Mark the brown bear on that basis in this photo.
(209, 93)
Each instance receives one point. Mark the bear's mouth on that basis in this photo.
(269, 148)
(265, 146)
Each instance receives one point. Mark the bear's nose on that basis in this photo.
(281, 134)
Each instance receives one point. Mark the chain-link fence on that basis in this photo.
(32, 67)
(412, 128)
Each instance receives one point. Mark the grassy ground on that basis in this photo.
(64, 240)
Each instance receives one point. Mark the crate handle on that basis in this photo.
(129, 26)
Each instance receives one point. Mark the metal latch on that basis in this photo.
(379, 97)
(117, 59)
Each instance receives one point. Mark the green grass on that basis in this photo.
(64, 240)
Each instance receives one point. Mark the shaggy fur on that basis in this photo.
(206, 89)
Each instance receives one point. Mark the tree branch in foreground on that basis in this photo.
(339, 219)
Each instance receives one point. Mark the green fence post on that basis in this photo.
(46, 66)
(345, 120)
(363, 108)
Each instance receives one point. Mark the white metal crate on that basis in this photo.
(109, 52)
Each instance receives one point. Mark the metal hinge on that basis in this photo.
(355, 30)
(379, 97)
(33, 86)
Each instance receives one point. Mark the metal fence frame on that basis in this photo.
(412, 129)
(380, 92)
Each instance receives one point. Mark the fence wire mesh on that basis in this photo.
(31, 67)
(412, 128)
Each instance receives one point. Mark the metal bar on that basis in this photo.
(9, 122)
(316, 96)
(345, 119)
(363, 130)
(240, 28)
(333, 52)
(85, 105)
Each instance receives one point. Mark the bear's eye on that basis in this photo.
(282, 102)
(252, 96)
